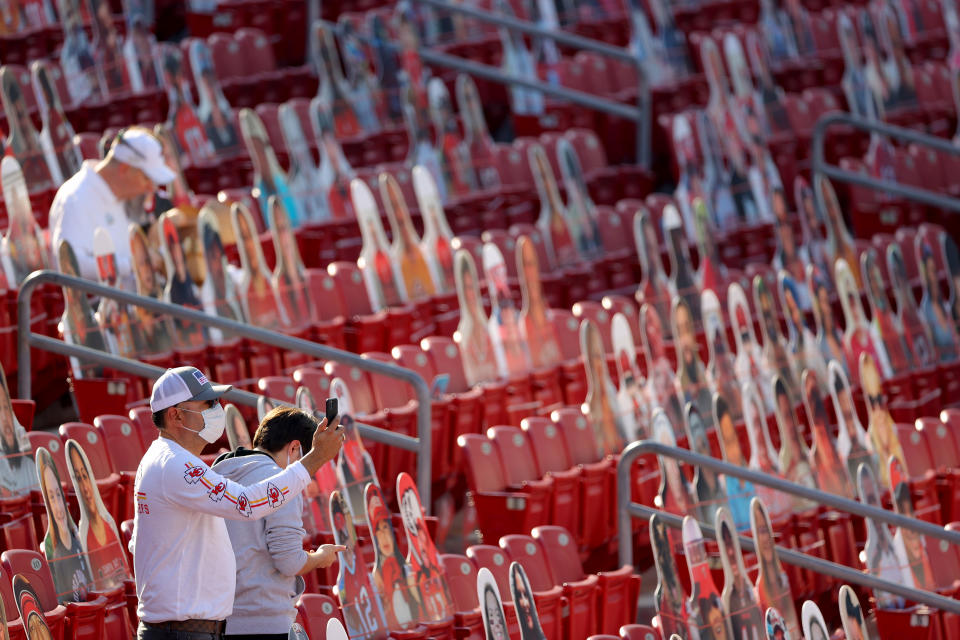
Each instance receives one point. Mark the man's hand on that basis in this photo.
(327, 440)
(322, 558)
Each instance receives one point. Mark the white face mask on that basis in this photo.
(214, 423)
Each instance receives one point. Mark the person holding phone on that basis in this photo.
(269, 552)
(183, 557)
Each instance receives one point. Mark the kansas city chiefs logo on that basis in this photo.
(193, 474)
(243, 505)
(217, 492)
(274, 495)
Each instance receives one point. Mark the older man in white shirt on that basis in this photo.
(94, 197)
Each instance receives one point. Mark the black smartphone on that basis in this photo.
(333, 408)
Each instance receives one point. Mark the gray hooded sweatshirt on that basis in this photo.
(269, 552)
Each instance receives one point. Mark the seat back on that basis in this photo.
(270, 116)
(89, 439)
(566, 326)
(361, 394)
(122, 441)
(52, 443)
(412, 357)
(351, 288)
(142, 419)
(514, 448)
(280, 388)
(484, 466)
(494, 559)
(577, 434)
(941, 442)
(462, 580)
(226, 55)
(33, 565)
(639, 632)
(256, 50)
(594, 312)
(444, 353)
(388, 392)
(6, 595)
(546, 444)
(615, 230)
(527, 551)
(323, 287)
(316, 380)
(313, 612)
(561, 551)
(915, 451)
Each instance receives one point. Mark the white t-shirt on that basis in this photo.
(182, 558)
(83, 203)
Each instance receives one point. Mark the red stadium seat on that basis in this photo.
(445, 355)
(126, 449)
(550, 455)
(546, 593)
(313, 612)
(462, 579)
(15, 624)
(316, 380)
(365, 330)
(142, 419)
(494, 559)
(520, 471)
(639, 632)
(280, 388)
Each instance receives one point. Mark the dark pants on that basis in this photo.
(154, 633)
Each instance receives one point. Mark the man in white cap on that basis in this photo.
(94, 196)
(183, 561)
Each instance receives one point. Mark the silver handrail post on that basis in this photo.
(422, 444)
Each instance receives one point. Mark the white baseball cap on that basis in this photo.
(182, 384)
(141, 149)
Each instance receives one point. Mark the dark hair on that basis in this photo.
(157, 417)
(283, 425)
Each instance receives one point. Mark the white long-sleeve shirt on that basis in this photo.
(182, 557)
(83, 203)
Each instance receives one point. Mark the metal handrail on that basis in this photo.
(576, 42)
(625, 506)
(819, 165)
(638, 115)
(421, 444)
(626, 509)
(813, 563)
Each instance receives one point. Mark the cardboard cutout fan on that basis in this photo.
(355, 468)
(852, 615)
(406, 247)
(682, 277)
(775, 352)
(916, 331)
(773, 586)
(854, 82)
(933, 308)
(178, 191)
(673, 616)
(739, 492)
(518, 61)
(139, 46)
(335, 172)
(691, 377)
(219, 292)
(117, 322)
(258, 297)
(883, 557)
(18, 473)
(600, 404)
(707, 487)
(238, 435)
(77, 55)
(912, 543)
(950, 257)
(476, 136)
(512, 352)
(23, 247)
(347, 93)
(157, 329)
(763, 457)
(829, 333)
(289, 277)
(435, 244)
(853, 445)
(213, 110)
(98, 532)
(367, 96)
(523, 600)
(476, 348)
(390, 574)
(31, 611)
(535, 326)
(749, 364)
(839, 239)
(654, 287)
(811, 224)
(491, 606)
(881, 428)
(180, 288)
(632, 404)
(739, 600)
(884, 324)
(62, 544)
(335, 630)
(78, 325)
(558, 228)
(675, 494)
(771, 96)
(22, 141)
(859, 338)
(814, 626)
(709, 617)
(830, 470)
(359, 601)
(421, 150)
(269, 178)
(183, 122)
(56, 135)
(776, 626)
(661, 378)
(384, 284)
(580, 206)
(107, 47)
(721, 365)
(304, 176)
(690, 183)
(801, 341)
(794, 456)
(422, 556)
(456, 163)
